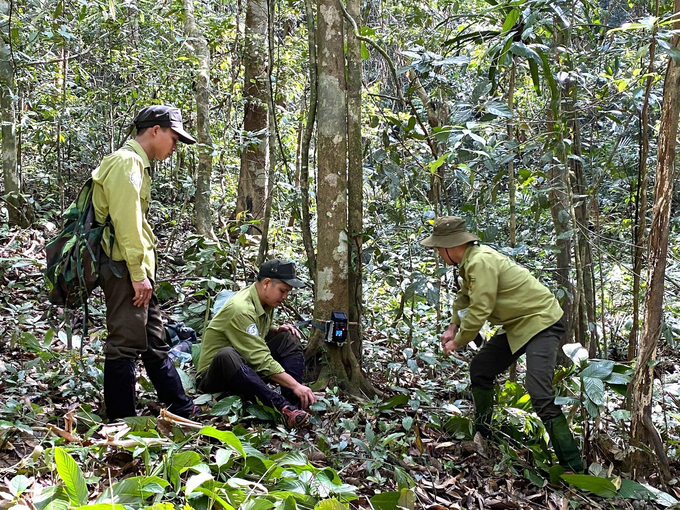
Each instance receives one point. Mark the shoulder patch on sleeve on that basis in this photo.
(252, 330)
(136, 179)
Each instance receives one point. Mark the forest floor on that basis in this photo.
(415, 442)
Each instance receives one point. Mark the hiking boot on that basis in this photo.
(564, 444)
(294, 417)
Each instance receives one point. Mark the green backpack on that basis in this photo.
(74, 255)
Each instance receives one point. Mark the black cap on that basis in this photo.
(164, 116)
(280, 270)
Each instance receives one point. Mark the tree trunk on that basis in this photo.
(355, 176)
(643, 432)
(332, 290)
(252, 184)
(12, 179)
(306, 139)
(264, 241)
(639, 232)
(203, 216)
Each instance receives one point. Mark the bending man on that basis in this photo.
(496, 289)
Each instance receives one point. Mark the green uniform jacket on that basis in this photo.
(243, 323)
(123, 190)
(496, 289)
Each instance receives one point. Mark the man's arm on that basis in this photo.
(482, 293)
(304, 393)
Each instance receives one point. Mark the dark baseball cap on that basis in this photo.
(164, 116)
(280, 270)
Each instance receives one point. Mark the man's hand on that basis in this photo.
(143, 291)
(450, 346)
(449, 334)
(290, 328)
(305, 394)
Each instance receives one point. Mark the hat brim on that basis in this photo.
(449, 241)
(293, 282)
(184, 137)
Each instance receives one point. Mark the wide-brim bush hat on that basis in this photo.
(449, 232)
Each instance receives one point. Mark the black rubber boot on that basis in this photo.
(168, 385)
(483, 409)
(119, 388)
(566, 448)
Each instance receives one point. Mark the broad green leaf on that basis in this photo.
(600, 486)
(598, 369)
(331, 504)
(510, 20)
(395, 401)
(72, 476)
(386, 500)
(179, 462)
(522, 50)
(227, 437)
(296, 458)
(533, 70)
(222, 456)
(52, 498)
(229, 405)
(289, 504)
(196, 481)
(535, 478)
(594, 389)
(18, 485)
(615, 378)
(407, 499)
(213, 495)
(134, 490)
(499, 109)
(633, 490)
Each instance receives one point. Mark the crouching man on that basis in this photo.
(240, 348)
(496, 289)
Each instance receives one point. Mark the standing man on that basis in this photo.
(496, 289)
(240, 347)
(122, 192)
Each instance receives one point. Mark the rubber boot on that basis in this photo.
(483, 409)
(119, 388)
(564, 444)
(168, 385)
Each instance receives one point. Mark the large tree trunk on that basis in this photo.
(355, 179)
(252, 185)
(643, 432)
(203, 216)
(332, 292)
(12, 181)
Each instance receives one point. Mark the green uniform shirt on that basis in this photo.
(243, 323)
(496, 289)
(123, 190)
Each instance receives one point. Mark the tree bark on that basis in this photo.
(203, 215)
(643, 432)
(12, 179)
(252, 185)
(355, 176)
(640, 228)
(306, 140)
(332, 289)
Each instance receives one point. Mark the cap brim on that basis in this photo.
(184, 137)
(450, 241)
(294, 282)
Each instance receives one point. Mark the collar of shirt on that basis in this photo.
(467, 255)
(259, 309)
(134, 145)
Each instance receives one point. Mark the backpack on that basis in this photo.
(74, 255)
